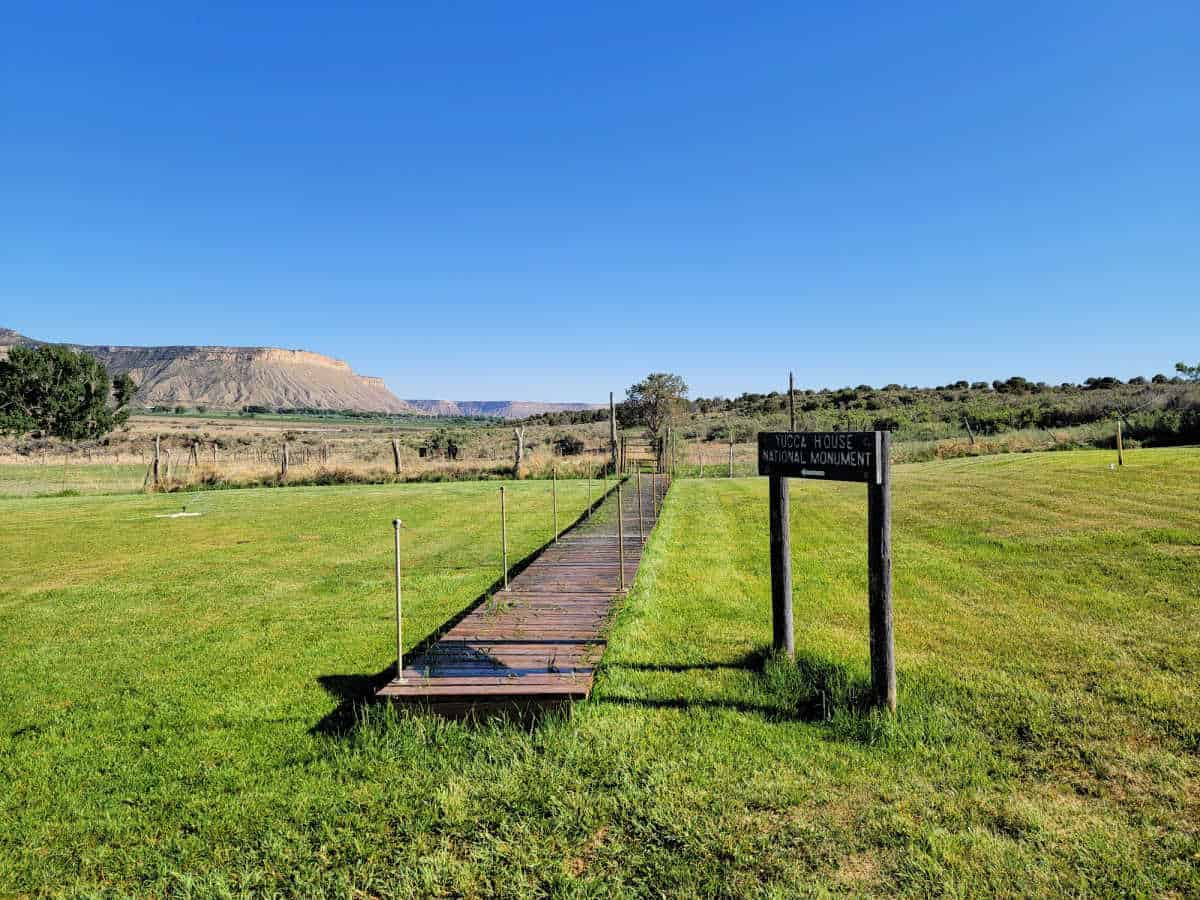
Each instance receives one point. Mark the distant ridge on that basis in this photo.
(228, 378)
(503, 409)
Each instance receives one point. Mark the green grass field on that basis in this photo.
(173, 715)
(34, 479)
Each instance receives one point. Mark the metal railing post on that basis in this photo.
(503, 538)
(399, 615)
(620, 535)
(641, 515)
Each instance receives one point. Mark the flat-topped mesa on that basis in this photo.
(236, 377)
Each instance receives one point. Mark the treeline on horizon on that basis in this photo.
(1163, 409)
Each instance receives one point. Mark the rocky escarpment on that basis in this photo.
(233, 377)
(229, 378)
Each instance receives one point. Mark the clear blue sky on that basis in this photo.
(548, 200)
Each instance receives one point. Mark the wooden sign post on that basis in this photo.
(860, 456)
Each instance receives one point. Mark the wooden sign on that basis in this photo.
(831, 455)
(860, 456)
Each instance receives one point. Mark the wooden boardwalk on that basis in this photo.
(537, 644)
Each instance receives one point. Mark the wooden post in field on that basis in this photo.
(284, 460)
(519, 452)
(399, 619)
(156, 463)
(792, 400)
(166, 463)
(731, 451)
(620, 535)
(194, 453)
(879, 575)
(970, 434)
(589, 506)
(554, 498)
(612, 429)
(215, 452)
(783, 634)
(503, 537)
(396, 456)
(1120, 445)
(700, 450)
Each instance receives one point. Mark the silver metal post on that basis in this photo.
(503, 538)
(621, 535)
(399, 618)
(641, 518)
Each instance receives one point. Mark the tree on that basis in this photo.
(53, 391)
(1191, 373)
(123, 390)
(655, 401)
(656, 398)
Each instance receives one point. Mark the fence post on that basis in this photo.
(620, 535)
(284, 459)
(399, 619)
(589, 506)
(554, 498)
(396, 456)
(503, 538)
(792, 400)
(156, 463)
(1120, 446)
(731, 454)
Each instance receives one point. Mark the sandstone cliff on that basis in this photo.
(233, 377)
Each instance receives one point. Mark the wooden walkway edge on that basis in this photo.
(537, 645)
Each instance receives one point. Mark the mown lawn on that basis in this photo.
(53, 477)
(170, 696)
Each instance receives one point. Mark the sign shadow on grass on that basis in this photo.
(813, 688)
